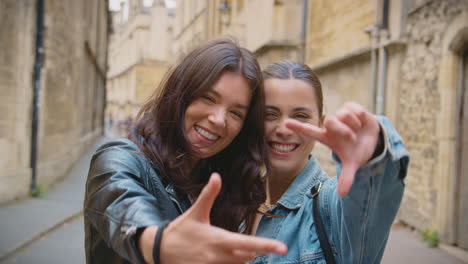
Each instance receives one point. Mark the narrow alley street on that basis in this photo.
(62, 245)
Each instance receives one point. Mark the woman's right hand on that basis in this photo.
(190, 238)
(352, 133)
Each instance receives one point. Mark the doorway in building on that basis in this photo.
(462, 226)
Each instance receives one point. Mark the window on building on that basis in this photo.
(125, 10)
(148, 3)
(240, 5)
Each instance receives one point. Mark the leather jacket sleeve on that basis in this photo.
(123, 195)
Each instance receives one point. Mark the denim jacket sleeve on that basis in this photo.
(118, 201)
(359, 223)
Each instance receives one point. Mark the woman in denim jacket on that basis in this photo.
(357, 207)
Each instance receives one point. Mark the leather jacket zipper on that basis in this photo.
(177, 203)
(173, 197)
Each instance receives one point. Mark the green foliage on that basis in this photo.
(431, 237)
(39, 192)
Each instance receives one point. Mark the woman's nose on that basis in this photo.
(218, 117)
(282, 130)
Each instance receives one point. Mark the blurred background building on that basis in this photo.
(139, 52)
(52, 81)
(273, 30)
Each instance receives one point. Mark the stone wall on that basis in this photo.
(73, 89)
(17, 23)
(342, 82)
(72, 92)
(336, 28)
(419, 105)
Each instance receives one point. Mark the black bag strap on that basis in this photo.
(324, 244)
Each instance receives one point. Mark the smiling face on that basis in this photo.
(214, 119)
(289, 98)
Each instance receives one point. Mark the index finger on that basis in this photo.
(308, 130)
(251, 243)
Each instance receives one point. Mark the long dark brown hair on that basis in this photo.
(288, 69)
(159, 131)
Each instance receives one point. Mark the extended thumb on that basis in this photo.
(202, 207)
(346, 179)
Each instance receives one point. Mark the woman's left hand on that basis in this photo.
(352, 133)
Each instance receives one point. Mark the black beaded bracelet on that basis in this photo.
(157, 241)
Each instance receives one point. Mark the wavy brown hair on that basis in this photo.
(159, 131)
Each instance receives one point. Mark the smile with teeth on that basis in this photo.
(206, 133)
(284, 148)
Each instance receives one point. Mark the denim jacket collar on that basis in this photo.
(310, 176)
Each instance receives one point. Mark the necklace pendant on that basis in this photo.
(268, 206)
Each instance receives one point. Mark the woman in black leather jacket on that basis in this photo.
(205, 119)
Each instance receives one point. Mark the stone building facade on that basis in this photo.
(271, 29)
(432, 118)
(72, 88)
(139, 52)
(405, 59)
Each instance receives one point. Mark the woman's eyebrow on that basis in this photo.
(303, 108)
(215, 93)
(218, 95)
(241, 106)
(272, 107)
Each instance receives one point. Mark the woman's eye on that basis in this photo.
(238, 114)
(209, 98)
(270, 115)
(301, 116)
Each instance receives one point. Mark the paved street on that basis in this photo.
(50, 226)
(405, 247)
(63, 245)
